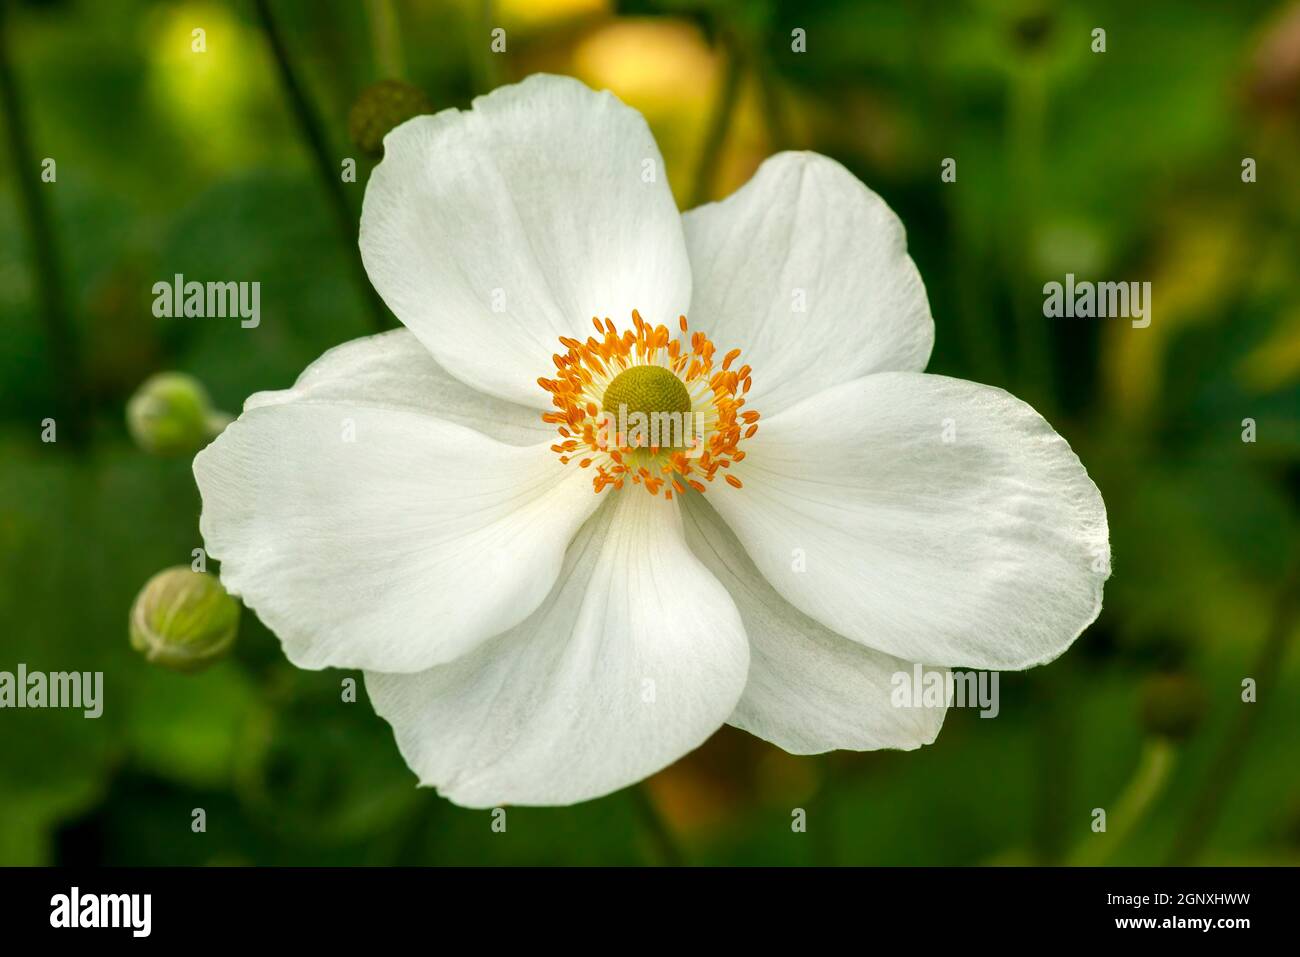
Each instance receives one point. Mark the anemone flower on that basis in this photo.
(550, 603)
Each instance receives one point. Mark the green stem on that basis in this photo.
(666, 851)
(385, 39)
(1231, 756)
(1149, 779)
(1025, 132)
(715, 137)
(972, 305)
(70, 397)
(779, 135)
(313, 133)
(489, 74)
(1056, 745)
(821, 819)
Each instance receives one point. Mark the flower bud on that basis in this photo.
(184, 620)
(381, 107)
(1172, 705)
(170, 414)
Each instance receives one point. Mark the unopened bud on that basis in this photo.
(379, 108)
(1033, 31)
(171, 414)
(184, 620)
(1172, 705)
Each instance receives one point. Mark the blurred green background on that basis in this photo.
(1122, 165)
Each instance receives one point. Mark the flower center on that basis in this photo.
(646, 407)
(649, 390)
(654, 399)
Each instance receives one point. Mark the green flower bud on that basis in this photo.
(381, 107)
(184, 620)
(170, 414)
(1172, 705)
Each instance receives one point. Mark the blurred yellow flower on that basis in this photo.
(208, 76)
(668, 72)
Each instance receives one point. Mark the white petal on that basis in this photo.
(492, 232)
(636, 657)
(986, 551)
(383, 538)
(392, 370)
(806, 271)
(809, 689)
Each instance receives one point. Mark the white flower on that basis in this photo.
(418, 506)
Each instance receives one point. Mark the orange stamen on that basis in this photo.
(585, 369)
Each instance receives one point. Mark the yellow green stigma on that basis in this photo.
(622, 382)
(646, 389)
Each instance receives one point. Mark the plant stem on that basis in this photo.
(70, 397)
(715, 136)
(1025, 132)
(774, 112)
(489, 75)
(385, 39)
(1056, 746)
(1228, 761)
(972, 304)
(1149, 778)
(313, 133)
(667, 852)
